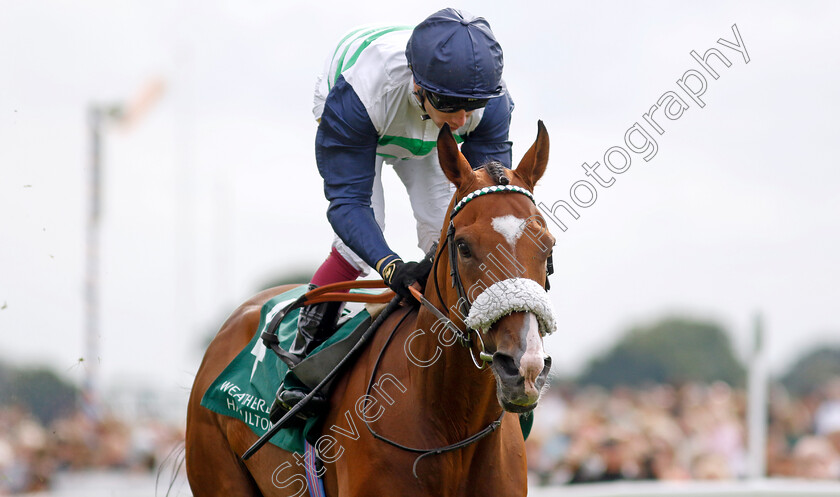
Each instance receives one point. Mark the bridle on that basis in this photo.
(463, 337)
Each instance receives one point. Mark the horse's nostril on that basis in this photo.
(547, 368)
(505, 364)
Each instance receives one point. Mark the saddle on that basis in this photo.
(317, 371)
(314, 368)
(245, 389)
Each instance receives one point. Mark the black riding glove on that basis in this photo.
(399, 275)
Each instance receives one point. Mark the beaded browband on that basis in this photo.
(489, 189)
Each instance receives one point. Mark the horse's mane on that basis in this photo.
(496, 170)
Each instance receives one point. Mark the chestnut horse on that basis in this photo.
(414, 415)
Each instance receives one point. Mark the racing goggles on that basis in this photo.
(447, 104)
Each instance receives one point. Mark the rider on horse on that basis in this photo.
(385, 94)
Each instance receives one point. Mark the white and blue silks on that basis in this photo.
(369, 114)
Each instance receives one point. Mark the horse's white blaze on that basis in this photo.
(510, 227)
(533, 360)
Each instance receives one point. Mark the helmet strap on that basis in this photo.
(421, 98)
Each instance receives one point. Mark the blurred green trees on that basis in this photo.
(39, 390)
(671, 350)
(812, 370)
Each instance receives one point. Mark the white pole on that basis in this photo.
(90, 386)
(757, 408)
(98, 117)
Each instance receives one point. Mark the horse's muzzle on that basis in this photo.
(519, 383)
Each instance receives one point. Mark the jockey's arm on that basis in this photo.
(345, 150)
(490, 139)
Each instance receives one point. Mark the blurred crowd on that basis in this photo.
(694, 431)
(660, 432)
(31, 453)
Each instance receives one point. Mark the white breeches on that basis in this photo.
(429, 193)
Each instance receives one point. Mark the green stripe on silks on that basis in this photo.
(246, 388)
(415, 146)
(368, 41)
(372, 34)
(340, 64)
(345, 38)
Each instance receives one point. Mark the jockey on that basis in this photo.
(384, 95)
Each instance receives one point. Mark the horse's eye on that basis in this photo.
(464, 249)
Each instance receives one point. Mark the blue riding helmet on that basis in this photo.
(454, 54)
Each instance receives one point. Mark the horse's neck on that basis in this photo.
(463, 397)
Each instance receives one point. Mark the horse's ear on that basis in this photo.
(533, 163)
(452, 161)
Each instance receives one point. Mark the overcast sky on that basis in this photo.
(214, 191)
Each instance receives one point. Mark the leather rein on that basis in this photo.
(464, 305)
(463, 337)
(338, 292)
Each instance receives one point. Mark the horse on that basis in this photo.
(419, 412)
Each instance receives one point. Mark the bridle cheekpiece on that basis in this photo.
(464, 338)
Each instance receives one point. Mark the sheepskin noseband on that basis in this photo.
(511, 295)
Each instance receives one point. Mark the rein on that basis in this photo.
(463, 337)
(423, 452)
(392, 306)
(337, 291)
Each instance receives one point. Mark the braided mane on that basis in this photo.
(496, 171)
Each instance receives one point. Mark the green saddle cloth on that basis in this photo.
(246, 388)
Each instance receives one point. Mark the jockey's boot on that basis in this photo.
(316, 323)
